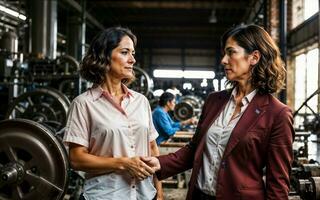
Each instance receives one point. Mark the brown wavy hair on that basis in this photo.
(94, 65)
(268, 75)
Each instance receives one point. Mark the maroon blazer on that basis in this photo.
(261, 139)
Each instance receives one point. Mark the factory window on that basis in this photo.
(306, 82)
(303, 10)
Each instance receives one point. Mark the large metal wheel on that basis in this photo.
(188, 107)
(44, 105)
(143, 82)
(71, 87)
(316, 187)
(33, 163)
(66, 65)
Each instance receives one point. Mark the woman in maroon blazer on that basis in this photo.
(243, 133)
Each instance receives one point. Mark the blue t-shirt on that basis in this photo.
(165, 126)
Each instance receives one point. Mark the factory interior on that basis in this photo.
(42, 43)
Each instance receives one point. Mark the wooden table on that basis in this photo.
(179, 139)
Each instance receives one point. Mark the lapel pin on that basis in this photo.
(257, 111)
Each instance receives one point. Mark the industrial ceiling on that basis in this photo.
(168, 24)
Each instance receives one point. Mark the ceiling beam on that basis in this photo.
(90, 18)
(234, 4)
(176, 43)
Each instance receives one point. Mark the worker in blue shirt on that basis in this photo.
(162, 121)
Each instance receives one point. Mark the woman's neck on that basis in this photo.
(166, 108)
(243, 90)
(113, 86)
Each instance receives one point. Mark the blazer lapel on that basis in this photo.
(212, 111)
(215, 109)
(252, 114)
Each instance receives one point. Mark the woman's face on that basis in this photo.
(122, 59)
(171, 104)
(236, 62)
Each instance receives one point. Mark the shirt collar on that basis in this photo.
(97, 92)
(246, 99)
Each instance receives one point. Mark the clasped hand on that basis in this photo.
(142, 167)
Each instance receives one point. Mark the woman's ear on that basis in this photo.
(168, 104)
(255, 57)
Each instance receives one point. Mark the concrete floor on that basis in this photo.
(175, 194)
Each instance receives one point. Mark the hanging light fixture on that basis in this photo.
(12, 12)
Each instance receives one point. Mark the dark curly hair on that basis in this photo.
(268, 75)
(94, 65)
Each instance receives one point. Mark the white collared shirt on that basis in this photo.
(216, 141)
(96, 123)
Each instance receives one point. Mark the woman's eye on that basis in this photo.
(124, 52)
(230, 52)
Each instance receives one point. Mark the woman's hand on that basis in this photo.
(191, 121)
(159, 197)
(152, 162)
(137, 168)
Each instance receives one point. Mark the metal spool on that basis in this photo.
(316, 187)
(143, 82)
(9, 42)
(67, 65)
(33, 163)
(188, 107)
(44, 105)
(70, 87)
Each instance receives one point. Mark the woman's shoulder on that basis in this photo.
(220, 93)
(158, 110)
(277, 107)
(84, 97)
(138, 95)
(274, 101)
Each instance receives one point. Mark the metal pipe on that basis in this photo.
(283, 39)
(38, 13)
(90, 18)
(52, 29)
(74, 37)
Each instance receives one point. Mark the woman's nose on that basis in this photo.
(132, 59)
(224, 60)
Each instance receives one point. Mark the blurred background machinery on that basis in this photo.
(305, 175)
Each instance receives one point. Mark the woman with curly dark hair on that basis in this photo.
(109, 126)
(242, 131)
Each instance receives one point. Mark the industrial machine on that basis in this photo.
(187, 107)
(305, 174)
(33, 162)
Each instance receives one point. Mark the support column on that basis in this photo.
(74, 37)
(283, 39)
(52, 29)
(38, 13)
